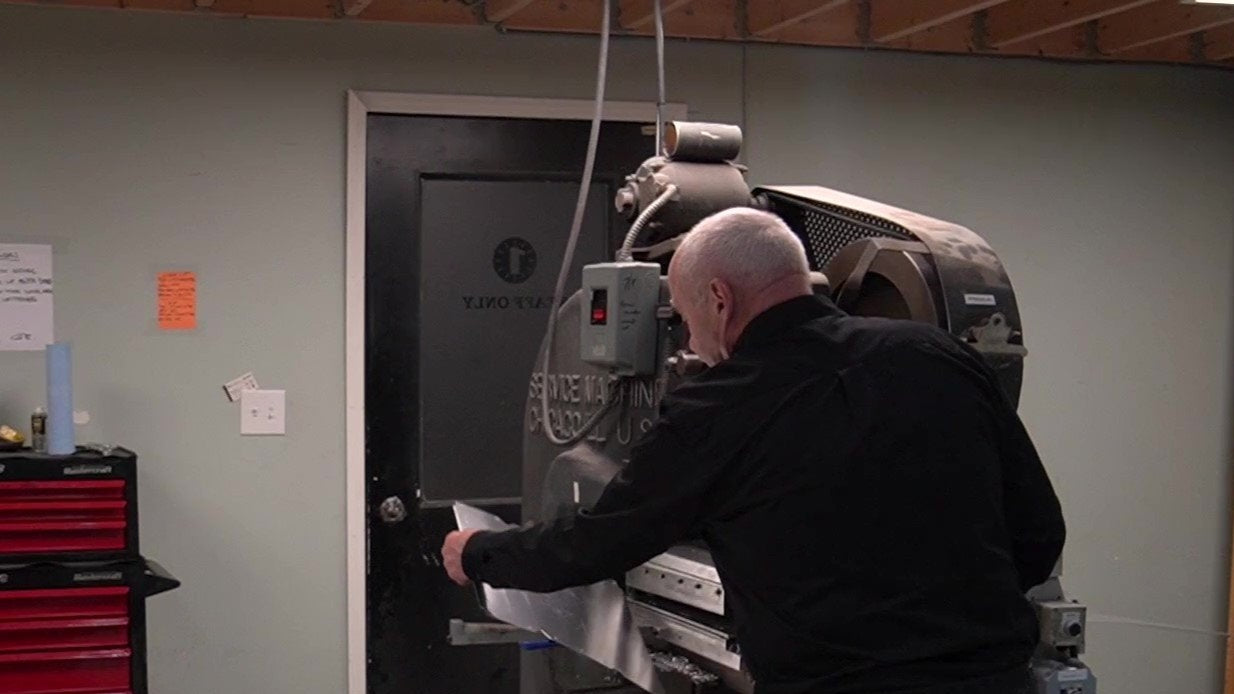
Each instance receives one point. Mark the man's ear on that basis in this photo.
(717, 290)
(722, 293)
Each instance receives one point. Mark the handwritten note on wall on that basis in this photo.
(26, 315)
(177, 301)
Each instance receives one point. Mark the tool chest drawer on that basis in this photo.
(65, 640)
(76, 628)
(76, 508)
(97, 671)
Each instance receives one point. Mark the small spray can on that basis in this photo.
(38, 430)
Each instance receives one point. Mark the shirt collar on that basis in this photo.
(781, 317)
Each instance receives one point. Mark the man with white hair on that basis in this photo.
(873, 504)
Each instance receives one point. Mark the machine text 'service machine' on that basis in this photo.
(617, 347)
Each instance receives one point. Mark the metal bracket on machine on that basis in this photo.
(995, 337)
(852, 286)
(711, 644)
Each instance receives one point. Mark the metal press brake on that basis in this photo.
(618, 346)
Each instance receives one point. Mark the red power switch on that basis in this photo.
(599, 307)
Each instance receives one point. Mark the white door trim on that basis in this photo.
(359, 105)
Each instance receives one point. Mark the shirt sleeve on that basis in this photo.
(1031, 509)
(655, 501)
(1033, 514)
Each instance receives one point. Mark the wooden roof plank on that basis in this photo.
(351, 8)
(498, 11)
(635, 14)
(162, 5)
(421, 12)
(839, 28)
(895, 19)
(1022, 20)
(1180, 49)
(1160, 21)
(572, 16)
(955, 36)
(291, 9)
(1219, 43)
(766, 17)
(106, 4)
(1071, 42)
(700, 19)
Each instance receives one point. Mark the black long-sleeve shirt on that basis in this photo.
(872, 502)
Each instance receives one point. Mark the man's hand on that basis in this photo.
(452, 555)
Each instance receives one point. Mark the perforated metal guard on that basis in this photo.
(825, 229)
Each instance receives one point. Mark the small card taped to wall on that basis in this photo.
(238, 385)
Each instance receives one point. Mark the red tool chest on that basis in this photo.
(72, 583)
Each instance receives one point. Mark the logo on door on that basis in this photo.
(514, 260)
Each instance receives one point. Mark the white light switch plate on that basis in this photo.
(263, 412)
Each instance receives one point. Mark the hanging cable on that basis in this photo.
(660, 100)
(572, 242)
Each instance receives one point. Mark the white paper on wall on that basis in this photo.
(26, 297)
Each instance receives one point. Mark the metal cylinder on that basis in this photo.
(702, 190)
(702, 142)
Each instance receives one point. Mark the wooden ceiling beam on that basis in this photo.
(1219, 43)
(895, 19)
(1160, 21)
(636, 14)
(766, 17)
(1022, 20)
(497, 11)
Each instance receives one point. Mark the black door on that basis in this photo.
(466, 221)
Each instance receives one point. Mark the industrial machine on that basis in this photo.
(616, 346)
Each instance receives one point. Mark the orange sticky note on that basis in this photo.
(177, 301)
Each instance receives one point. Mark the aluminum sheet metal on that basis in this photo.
(592, 620)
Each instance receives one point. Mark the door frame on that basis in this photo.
(359, 105)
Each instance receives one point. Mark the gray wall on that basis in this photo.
(141, 142)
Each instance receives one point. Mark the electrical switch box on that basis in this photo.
(1063, 624)
(618, 317)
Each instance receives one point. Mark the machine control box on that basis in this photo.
(1062, 624)
(618, 325)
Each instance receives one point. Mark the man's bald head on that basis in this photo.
(731, 267)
